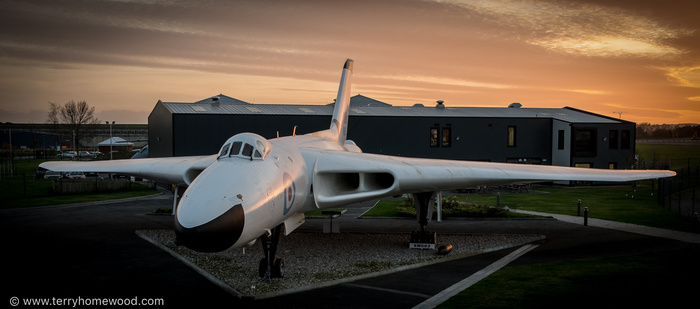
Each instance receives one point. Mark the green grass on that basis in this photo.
(47, 199)
(678, 155)
(628, 280)
(23, 190)
(615, 203)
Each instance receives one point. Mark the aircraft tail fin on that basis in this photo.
(339, 124)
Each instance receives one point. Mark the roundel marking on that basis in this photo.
(289, 192)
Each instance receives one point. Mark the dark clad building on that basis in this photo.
(549, 136)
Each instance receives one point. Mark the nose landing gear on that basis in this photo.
(269, 266)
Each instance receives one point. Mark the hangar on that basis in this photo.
(514, 134)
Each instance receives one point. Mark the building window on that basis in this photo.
(584, 142)
(511, 136)
(434, 137)
(625, 139)
(612, 165)
(446, 137)
(560, 141)
(612, 139)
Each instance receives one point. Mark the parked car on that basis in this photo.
(95, 154)
(67, 154)
(84, 154)
(52, 175)
(93, 175)
(75, 175)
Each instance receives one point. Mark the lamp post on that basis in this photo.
(110, 138)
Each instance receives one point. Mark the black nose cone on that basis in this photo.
(216, 235)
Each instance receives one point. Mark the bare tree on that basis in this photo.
(74, 116)
(54, 111)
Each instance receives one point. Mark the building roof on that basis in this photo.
(221, 99)
(370, 107)
(363, 101)
(115, 141)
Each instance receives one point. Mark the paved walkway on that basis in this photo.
(620, 226)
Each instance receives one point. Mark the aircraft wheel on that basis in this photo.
(278, 269)
(262, 269)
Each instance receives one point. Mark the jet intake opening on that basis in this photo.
(336, 184)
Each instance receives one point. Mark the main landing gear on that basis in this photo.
(423, 239)
(269, 266)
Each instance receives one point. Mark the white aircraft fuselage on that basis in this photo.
(238, 198)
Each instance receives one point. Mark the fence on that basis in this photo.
(71, 186)
(681, 194)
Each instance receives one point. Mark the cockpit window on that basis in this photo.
(246, 145)
(247, 150)
(236, 148)
(260, 145)
(224, 150)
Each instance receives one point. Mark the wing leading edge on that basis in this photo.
(174, 170)
(343, 177)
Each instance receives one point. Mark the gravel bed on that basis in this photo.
(314, 259)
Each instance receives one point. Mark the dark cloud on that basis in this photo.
(476, 52)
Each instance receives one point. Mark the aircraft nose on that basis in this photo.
(216, 235)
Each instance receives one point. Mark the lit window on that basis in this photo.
(511, 136)
(446, 137)
(434, 139)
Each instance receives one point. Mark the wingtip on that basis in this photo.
(348, 64)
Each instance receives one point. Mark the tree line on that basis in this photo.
(646, 130)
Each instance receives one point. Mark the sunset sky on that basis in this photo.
(637, 58)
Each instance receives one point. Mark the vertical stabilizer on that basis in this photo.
(339, 124)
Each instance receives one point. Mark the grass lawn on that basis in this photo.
(624, 281)
(679, 155)
(39, 194)
(615, 203)
(23, 190)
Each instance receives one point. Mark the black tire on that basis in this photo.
(278, 269)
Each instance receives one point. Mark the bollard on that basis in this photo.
(578, 211)
(585, 216)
